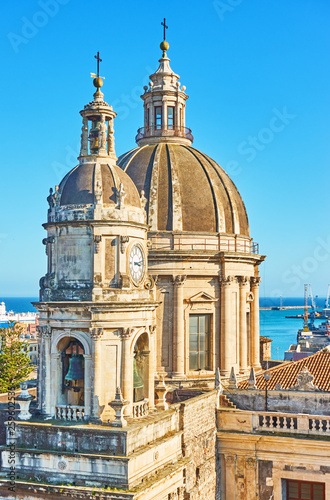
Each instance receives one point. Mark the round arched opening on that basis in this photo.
(141, 368)
(72, 371)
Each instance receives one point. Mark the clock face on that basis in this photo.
(136, 263)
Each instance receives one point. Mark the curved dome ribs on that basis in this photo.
(239, 210)
(78, 186)
(176, 191)
(186, 190)
(216, 206)
(230, 227)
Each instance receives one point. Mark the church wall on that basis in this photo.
(74, 255)
(204, 280)
(199, 438)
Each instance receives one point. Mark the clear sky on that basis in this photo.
(257, 73)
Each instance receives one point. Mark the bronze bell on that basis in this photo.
(137, 381)
(75, 371)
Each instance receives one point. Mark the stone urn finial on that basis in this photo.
(118, 404)
(24, 399)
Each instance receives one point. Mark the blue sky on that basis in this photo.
(257, 74)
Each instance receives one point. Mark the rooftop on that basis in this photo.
(285, 374)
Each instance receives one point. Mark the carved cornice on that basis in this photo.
(227, 280)
(44, 331)
(243, 280)
(97, 242)
(230, 459)
(179, 280)
(149, 283)
(255, 280)
(96, 333)
(126, 333)
(123, 242)
(250, 462)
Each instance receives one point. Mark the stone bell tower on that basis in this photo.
(97, 306)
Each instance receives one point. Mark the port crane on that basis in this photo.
(327, 300)
(306, 329)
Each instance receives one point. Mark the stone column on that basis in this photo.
(55, 362)
(164, 116)
(151, 366)
(46, 333)
(151, 124)
(87, 384)
(243, 290)
(226, 342)
(178, 324)
(96, 334)
(84, 137)
(255, 341)
(127, 369)
(230, 483)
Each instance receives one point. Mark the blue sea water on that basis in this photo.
(273, 324)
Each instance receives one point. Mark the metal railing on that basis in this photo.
(70, 412)
(140, 409)
(218, 245)
(164, 131)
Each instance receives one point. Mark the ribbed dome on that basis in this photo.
(78, 186)
(186, 190)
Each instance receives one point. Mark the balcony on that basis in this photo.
(152, 132)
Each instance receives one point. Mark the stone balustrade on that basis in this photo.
(140, 409)
(74, 413)
(274, 422)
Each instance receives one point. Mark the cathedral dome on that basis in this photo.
(186, 190)
(80, 185)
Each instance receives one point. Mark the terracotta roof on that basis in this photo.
(318, 364)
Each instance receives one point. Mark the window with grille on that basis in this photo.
(303, 490)
(199, 341)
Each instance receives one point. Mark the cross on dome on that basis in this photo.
(165, 28)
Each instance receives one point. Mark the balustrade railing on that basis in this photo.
(164, 131)
(140, 409)
(293, 423)
(70, 412)
(273, 422)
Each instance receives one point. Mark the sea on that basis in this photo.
(273, 324)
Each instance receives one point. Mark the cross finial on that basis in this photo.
(97, 57)
(165, 27)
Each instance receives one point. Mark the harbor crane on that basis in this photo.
(327, 300)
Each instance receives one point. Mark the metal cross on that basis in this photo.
(165, 27)
(97, 57)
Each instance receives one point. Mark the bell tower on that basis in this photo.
(97, 306)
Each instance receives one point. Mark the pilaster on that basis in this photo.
(179, 343)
